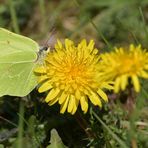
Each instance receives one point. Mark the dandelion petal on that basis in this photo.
(136, 83)
(84, 103)
(144, 74)
(123, 82)
(117, 85)
(40, 69)
(62, 98)
(103, 95)
(76, 102)
(42, 78)
(52, 94)
(44, 87)
(52, 102)
(71, 103)
(94, 98)
(64, 106)
(78, 94)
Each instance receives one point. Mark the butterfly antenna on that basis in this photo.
(52, 32)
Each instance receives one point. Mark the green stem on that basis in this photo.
(84, 125)
(122, 144)
(43, 15)
(101, 35)
(13, 17)
(8, 121)
(21, 125)
(131, 115)
(143, 19)
(96, 28)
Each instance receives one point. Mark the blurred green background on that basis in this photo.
(119, 21)
(27, 122)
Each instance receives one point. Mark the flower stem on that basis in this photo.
(21, 125)
(134, 143)
(131, 108)
(130, 103)
(84, 125)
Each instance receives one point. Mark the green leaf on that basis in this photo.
(1, 146)
(55, 140)
(18, 55)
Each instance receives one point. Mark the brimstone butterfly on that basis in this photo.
(18, 56)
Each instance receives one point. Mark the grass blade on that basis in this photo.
(122, 144)
(13, 17)
(21, 126)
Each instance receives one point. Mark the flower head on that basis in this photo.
(123, 65)
(72, 77)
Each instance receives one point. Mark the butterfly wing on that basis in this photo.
(17, 61)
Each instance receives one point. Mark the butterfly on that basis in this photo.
(18, 58)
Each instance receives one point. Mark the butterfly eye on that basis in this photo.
(44, 48)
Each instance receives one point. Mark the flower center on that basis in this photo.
(75, 71)
(73, 75)
(129, 65)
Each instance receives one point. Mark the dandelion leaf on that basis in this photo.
(55, 140)
(18, 55)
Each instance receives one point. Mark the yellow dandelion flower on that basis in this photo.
(72, 77)
(123, 65)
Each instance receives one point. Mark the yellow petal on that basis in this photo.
(40, 69)
(62, 98)
(45, 86)
(95, 51)
(71, 103)
(146, 66)
(82, 44)
(42, 78)
(117, 85)
(52, 102)
(68, 44)
(144, 74)
(76, 103)
(91, 45)
(132, 48)
(136, 83)
(103, 95)
(52, 94)
(59, 44)
(95, 99)
(84, 103)
(108, 86)
(78, 94)
(64, 105)
(124, 81)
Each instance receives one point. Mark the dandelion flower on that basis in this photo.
(125, 66)
(72, 77)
